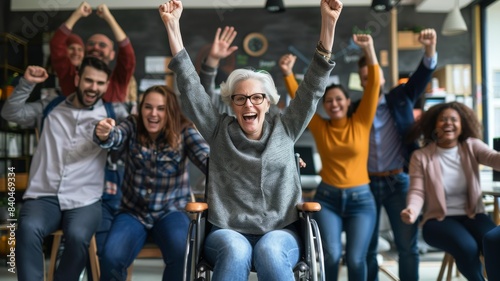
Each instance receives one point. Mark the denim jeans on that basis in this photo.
(127, 237)
(491, 251)
(462, 237)
(391, 192)
(232, 254)
(38, 219)
(351, 210)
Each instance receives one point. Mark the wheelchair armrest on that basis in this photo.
(196, 207)
(309, 207)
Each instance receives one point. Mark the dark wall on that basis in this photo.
(4, 12)
(297, 29)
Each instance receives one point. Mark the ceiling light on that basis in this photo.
(454, 24)
(275, 6)
(384, 5)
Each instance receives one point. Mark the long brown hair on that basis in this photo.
(426, 126)
(175, 119)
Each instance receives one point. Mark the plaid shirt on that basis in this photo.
(156, 178)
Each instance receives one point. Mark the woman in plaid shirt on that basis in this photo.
(158, 143)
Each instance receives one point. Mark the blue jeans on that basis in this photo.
(38, 219)
(351, 210)
(462, 237)
(128, 235)
(273, 254)
(110, 208)
(391, 192)
(491, 251)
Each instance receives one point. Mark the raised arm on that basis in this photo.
(196, 104)
(428, 39)
(104, 13)
(286, 64)
(415, 86)
(368, 104)
(15, 108)
(221, 47)
(83, 11)
(365, 42)
(170, 13)
(303, 107)
(330, 13)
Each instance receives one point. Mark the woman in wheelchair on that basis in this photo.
(158, 143)
(253, 187)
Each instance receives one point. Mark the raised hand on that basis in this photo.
(104, 128)
(427, 37)
(286, 63)
(364, 41)
(221, 47)
(35, 74)
(331, 9)
(330, 13)
(170, 11)
(84, 10)
(103, 11)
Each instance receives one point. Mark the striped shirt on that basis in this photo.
(156, 178)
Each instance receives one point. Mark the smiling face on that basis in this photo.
(153, 112)
(90, 86)
(101, 47)
(250, 117)
(448, 128)
(336, 104)
(75, 54)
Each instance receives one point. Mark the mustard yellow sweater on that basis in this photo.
(343, 144)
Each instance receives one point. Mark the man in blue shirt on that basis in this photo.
(389, 156)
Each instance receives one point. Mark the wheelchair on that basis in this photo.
(309, 268)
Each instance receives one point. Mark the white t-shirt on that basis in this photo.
(454, 181)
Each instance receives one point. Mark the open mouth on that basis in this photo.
(249, 116)
(95, 54)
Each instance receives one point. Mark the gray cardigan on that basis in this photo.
(253, 185)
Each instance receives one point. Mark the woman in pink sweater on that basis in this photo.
(444, 182)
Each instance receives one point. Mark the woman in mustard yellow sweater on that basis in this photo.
(342, 142)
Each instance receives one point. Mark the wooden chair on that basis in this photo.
(449, 262)
(94, 260)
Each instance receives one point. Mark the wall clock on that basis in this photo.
(255, 44)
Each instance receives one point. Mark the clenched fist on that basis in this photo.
(104, 128)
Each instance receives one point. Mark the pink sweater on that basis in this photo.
(426, 184)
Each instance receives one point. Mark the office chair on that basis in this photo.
(310, 266)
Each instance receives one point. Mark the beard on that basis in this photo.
(80, 94)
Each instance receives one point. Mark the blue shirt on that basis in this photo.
(386, 147)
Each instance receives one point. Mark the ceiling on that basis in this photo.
(438, 6)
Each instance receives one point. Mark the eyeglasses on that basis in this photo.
(255, 99)
(101, 45)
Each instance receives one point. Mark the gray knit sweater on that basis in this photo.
(253, 185)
